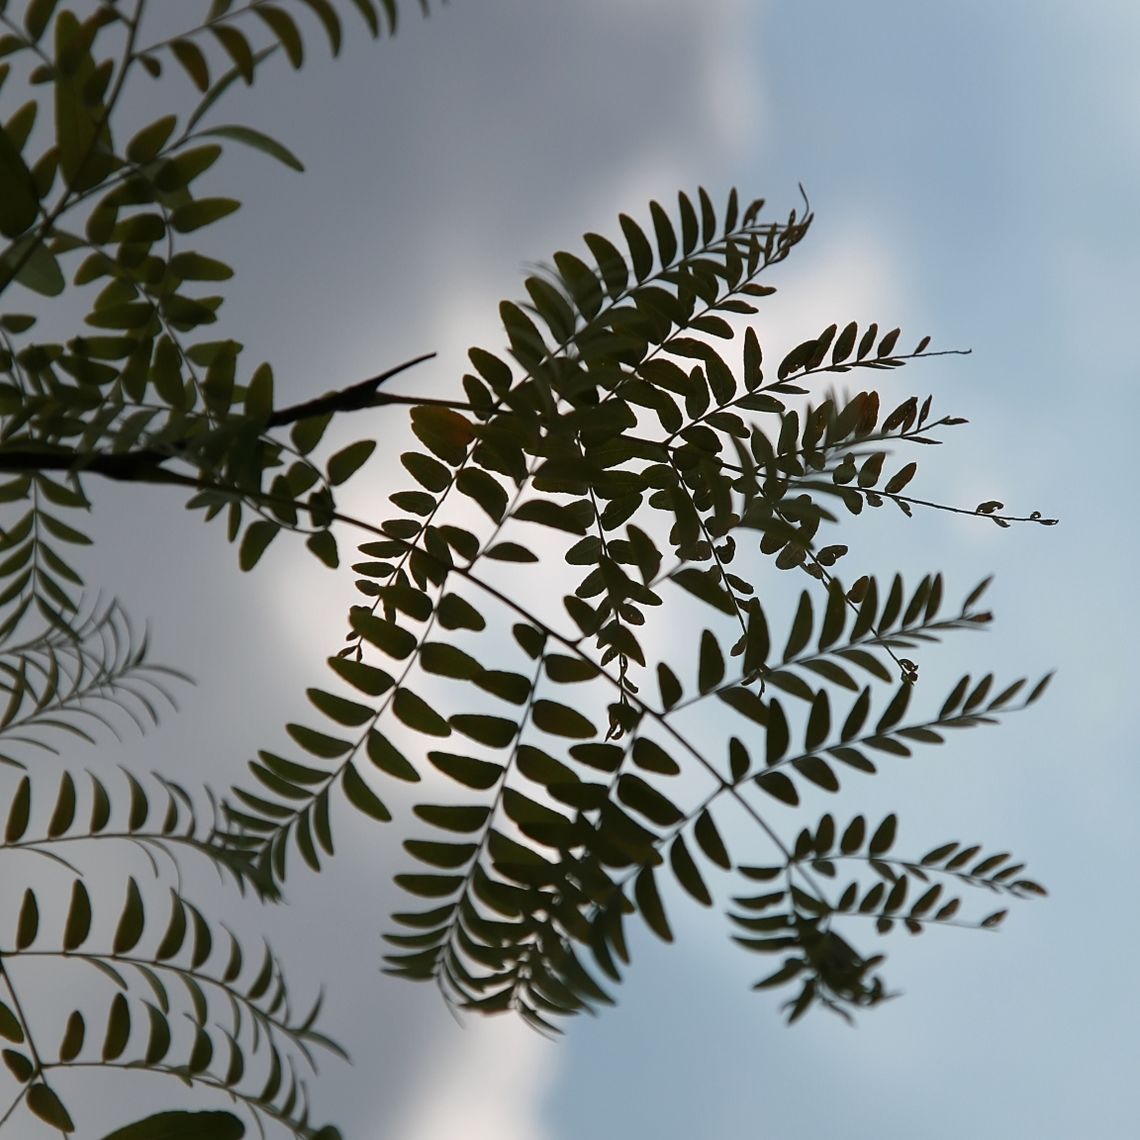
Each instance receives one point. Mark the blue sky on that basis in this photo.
(973, 168)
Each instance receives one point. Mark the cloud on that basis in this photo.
(490, 1085)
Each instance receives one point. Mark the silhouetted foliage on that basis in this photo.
(565, 612)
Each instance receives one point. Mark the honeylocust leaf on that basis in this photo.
(48, 1107)
(258, 140)
(178, 1125)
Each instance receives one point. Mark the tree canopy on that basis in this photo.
(569, 626)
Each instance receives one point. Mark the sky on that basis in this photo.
(972, 167)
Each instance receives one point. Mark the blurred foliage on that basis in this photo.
(571, 595)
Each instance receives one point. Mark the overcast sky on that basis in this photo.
(973, 168)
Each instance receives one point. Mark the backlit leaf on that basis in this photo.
(258, 536)
(510, 552)
(201, 212)
(318, 743)
(884, 836)
(494, 731)
(388, 758)
(561, 720)
(651, 757)
(73, 1037)
(130, 928)
(687, 873)
(78, 924)
(649, 903)
(416, 713)
(778, 785)
(19, 811)
(362, 797)
(669, 686)
(258, 140)
(467, 770)
(118, 1028)
(29, 921)
(386, 635)
(800, 633)
(641, 253)
(778, 736)
(708, 837)
(323, 545)
(642, 797)
(10, 1028)
(344, 463)
(48, 1107)
(455, 612)
(710, 663)
(179, 1125)
(19, 204)
(339, 709)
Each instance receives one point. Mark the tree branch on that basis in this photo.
(362, 395)
(144, 465)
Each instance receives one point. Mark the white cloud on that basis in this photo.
(489, 1086)
(726, 58)
(833, 275)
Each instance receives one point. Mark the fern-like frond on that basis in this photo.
(64, 678)
(246, 34)
(35, 572)
(185, 1000)
(794, 917)
(616, 426)
(162, 821)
